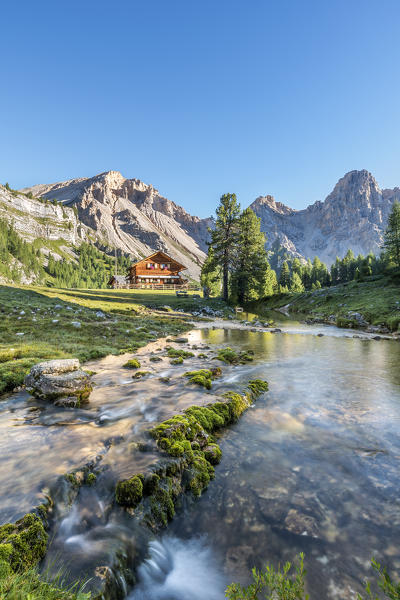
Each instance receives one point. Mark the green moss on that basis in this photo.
(140, 374)
(83, 394)
(71, 478)
(176, 361)
(202, 355)
(213, 454)
(174, 353)
(155, 358)
(130, 491)
(91, 479)
(133, 363)
(209, 419)
(201, 473)
(231, 357)
(201, 377)
(237, 404)
(178, 428)
(23, 544)
(188, 438)
(257, 387)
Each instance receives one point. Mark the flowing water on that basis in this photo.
(312, 467)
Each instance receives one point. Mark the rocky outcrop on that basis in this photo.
(133, 216)
(61, 381)
(35, 219)
(354, 215)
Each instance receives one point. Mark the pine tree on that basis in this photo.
(225, 236)
(296, 267)
(251, 261)
(296, 285)
(284, 276)
(392, 234)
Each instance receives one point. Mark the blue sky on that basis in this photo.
(203, 97)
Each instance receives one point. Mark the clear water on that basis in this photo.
(312, 467)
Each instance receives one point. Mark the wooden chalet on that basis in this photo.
(157, 271)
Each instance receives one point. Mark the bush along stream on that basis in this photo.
(95, 521)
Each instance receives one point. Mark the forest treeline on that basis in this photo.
(88, 268)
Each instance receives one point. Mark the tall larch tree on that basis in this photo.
(224, 237)
(251, 264)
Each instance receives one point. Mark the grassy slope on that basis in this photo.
(374, 299)
(129, 324)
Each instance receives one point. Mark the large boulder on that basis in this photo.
(62, 381)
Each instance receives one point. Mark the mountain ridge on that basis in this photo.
(133, 216)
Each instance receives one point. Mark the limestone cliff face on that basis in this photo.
(133, 216)
(354, 215)
(34, 219)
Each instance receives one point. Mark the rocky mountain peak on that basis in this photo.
(269, 202)
(111, 178)
(355, 184)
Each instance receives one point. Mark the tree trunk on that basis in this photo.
(225, 291)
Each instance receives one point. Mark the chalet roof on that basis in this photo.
(166, 257)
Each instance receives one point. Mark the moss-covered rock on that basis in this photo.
(227, 355)
(155, 358)
(140, 374)
(213, 454)
(175, 353)
(130, 491)
(257, 387)
(201, 472)
(133, 363)
(187, 440)
(237, 403)
(176, 361)
(91, 479)
(23, 544)
(202, 377)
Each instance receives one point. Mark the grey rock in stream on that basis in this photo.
(61, 380)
